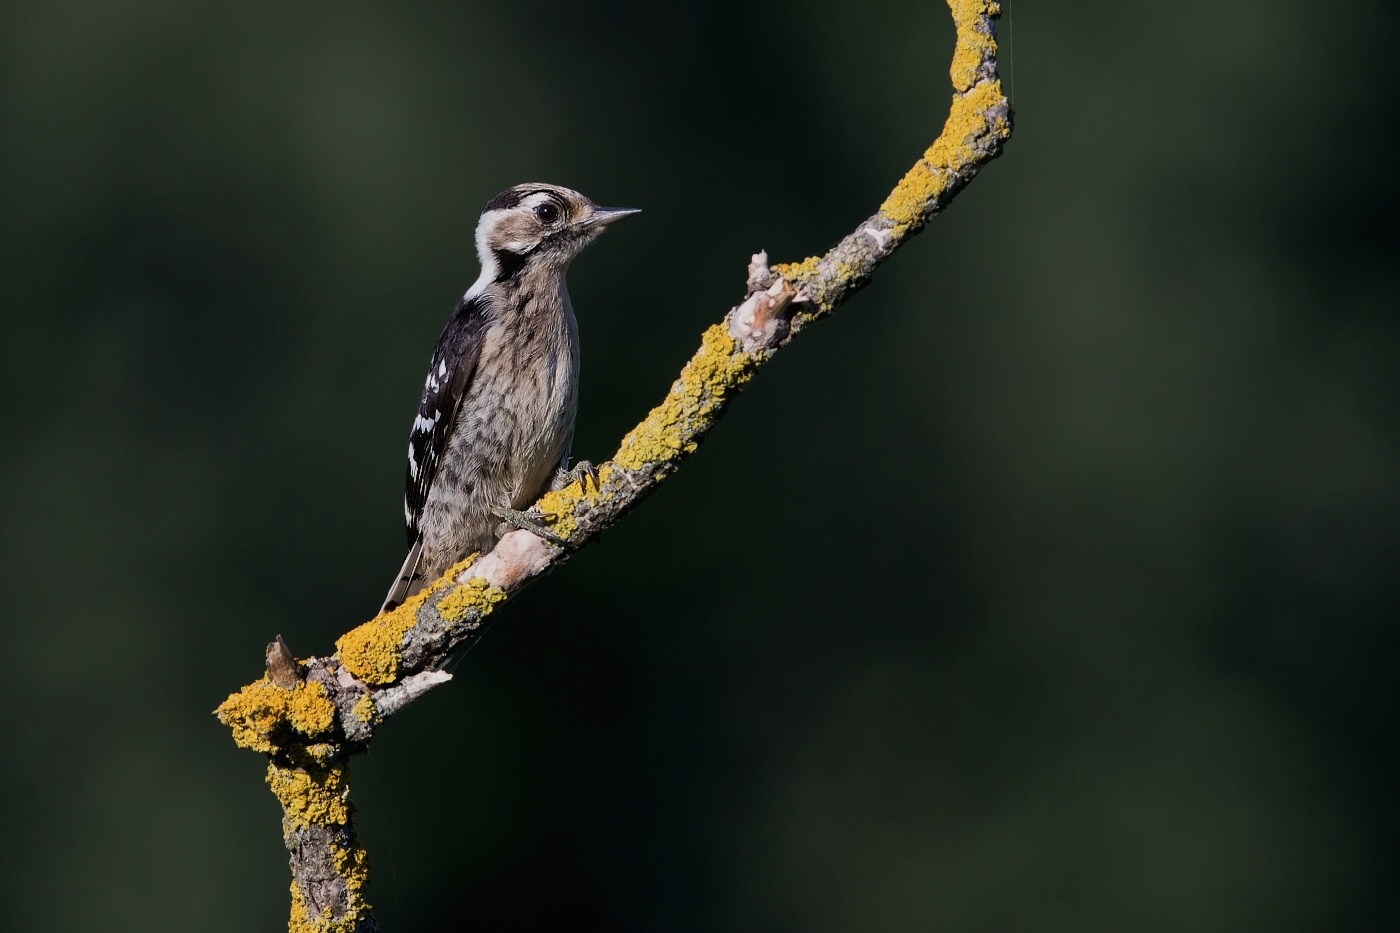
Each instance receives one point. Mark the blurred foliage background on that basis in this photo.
(1052, 585)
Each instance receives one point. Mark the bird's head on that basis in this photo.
(537, 225)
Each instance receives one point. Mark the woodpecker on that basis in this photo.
(496, 420)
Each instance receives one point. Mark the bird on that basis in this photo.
(496, 420)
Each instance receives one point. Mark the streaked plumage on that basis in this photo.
(496, 418)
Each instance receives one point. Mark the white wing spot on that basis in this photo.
(425, 425)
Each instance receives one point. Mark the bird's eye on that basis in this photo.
(547, 213)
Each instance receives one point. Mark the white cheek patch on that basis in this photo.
(489, 269)
(487, 226)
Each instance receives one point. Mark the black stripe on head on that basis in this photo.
(508, 264)
(511, 197)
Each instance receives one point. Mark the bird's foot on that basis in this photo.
(582, 473)
(530, 520)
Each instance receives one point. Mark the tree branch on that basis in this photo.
(308, 718)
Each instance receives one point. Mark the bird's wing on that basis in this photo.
(449, 378)
(408, 575)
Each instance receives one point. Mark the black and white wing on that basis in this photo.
(450, 375)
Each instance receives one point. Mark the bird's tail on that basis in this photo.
(408, 575)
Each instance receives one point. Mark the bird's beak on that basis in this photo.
(602, 216)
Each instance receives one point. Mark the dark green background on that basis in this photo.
(1052, 585)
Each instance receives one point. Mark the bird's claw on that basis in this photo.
(532, 521)
(583, 472)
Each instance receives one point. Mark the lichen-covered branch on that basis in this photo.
(309, 717)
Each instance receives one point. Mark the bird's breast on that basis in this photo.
(518, 416)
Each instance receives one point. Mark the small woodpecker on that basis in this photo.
(497, 417)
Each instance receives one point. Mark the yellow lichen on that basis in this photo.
(319, 795)
(259, 710)
(974, 45)
(364, 710)
(300, 920)
(315, 754)
(352, 865)
(846, 271)
(797, 271)
(374, 650)
(475, 594)
(309, 710)
(671, 428)
(311, 795)
(561, 504)
(951, 152)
